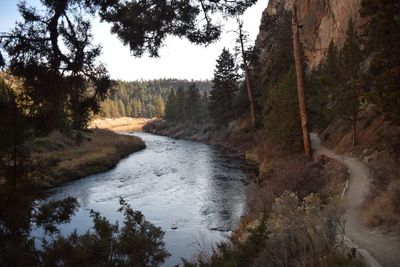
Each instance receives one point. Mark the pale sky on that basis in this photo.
(178, 58)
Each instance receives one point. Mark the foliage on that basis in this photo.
(267, 72)
(22, 208)
(159, 107)
(282, 121)
(63, 85)
(350, 58)
(304, 233)
(382, 37)
(225, 88)
(244, 254)
(295, 233)
(52, 48)
(247, 55)
(13, 132)
(136, 243)
(187, 106)
(155, 20)
(193, 104)
(180, 105)
(19, 213)
(337, 87)
(144, 98)
(322, 84)
(171, 107)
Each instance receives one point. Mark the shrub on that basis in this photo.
(384, 210)
(296, 233)
(137, 243)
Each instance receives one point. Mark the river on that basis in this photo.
(193, 191)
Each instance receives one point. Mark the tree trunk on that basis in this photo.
(300, 84)
(247, 76)
(248, 85)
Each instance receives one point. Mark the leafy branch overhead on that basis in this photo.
(144, 25)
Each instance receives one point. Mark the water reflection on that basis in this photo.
(193, 191)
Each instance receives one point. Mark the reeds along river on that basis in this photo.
(194, 192)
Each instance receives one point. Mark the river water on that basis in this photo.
(194, 192)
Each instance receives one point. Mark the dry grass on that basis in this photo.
(81, 154)
(120, 124)
(384, 208)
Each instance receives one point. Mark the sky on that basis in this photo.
(178, 57)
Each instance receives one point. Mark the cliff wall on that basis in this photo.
(321, 20)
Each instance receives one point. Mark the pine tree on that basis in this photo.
(114, 110)
(128, 110)
(225, 88)
(204, 107)
(180, 104)
(121, 108)
(245, 55)
(349, 96)
(159, 106)
(150, 110)
(331, 64)
(171, 107)
(105, 109)
(282, 121)
(322, 84)
(193, 104)
(137, 108)
(382, 38)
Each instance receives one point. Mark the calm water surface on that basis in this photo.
(194, 192)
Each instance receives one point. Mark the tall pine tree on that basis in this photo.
(193, 105)
(171, 107)
(349, 96)
(225, 88)
(180, 104)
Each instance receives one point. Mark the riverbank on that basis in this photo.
(72, 156)
(123, 124)
(234, 137)
(279, 170)
(282, 172)
(291, 199)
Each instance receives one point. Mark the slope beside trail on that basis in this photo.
(383, 247)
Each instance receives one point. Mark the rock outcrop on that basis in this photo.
(321, 20)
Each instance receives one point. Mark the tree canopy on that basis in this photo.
(144, 25)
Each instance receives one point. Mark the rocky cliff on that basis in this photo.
(321, 20)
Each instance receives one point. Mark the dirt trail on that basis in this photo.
(383, 247)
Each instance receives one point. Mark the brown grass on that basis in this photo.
(384, 208)
(123, 124)
(81, 154)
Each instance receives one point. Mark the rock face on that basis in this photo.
(321, 20)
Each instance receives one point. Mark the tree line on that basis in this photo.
(144, 99)
(220, 105)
